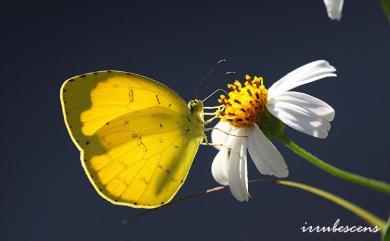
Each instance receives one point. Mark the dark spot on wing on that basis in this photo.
(144, 180)
(141, 144)
(131, 95)
(158, 99)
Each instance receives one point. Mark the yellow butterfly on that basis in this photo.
(136, 136)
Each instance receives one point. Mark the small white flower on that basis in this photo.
(334, 8)
(245, 105)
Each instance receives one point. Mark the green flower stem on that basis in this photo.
(348, 176)
(370, 218)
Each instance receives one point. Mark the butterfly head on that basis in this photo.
(196, 106)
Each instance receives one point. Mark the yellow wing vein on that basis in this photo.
(142, 159)
(132, 164)
(102, 116)
(146, 161)
(153, 92)
(154, 171)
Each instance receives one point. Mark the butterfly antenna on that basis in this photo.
(214, 92)
(213, 82)
(207, 75)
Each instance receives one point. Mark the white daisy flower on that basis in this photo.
(334, 8)
(248, 105)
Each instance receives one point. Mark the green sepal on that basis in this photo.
(270, 125)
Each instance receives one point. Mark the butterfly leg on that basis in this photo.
(210, 120)
(229, 134)
(230, 150)
(216, 145)
(206, 143)
(213, 107)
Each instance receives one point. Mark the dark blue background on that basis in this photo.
(45, 194)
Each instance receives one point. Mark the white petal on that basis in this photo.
(230, 165)
(244, 170)
(236, 138)
(334, 8)
(311, 103)
(232, 143)
(219, 167)
(303, 117)
(308, 73)
(237, 171)
(219, 135)
(264, 154)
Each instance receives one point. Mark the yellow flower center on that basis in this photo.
(244, 104)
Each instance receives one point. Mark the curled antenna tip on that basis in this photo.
(230, 72)
(209, 84)
(198, 89)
